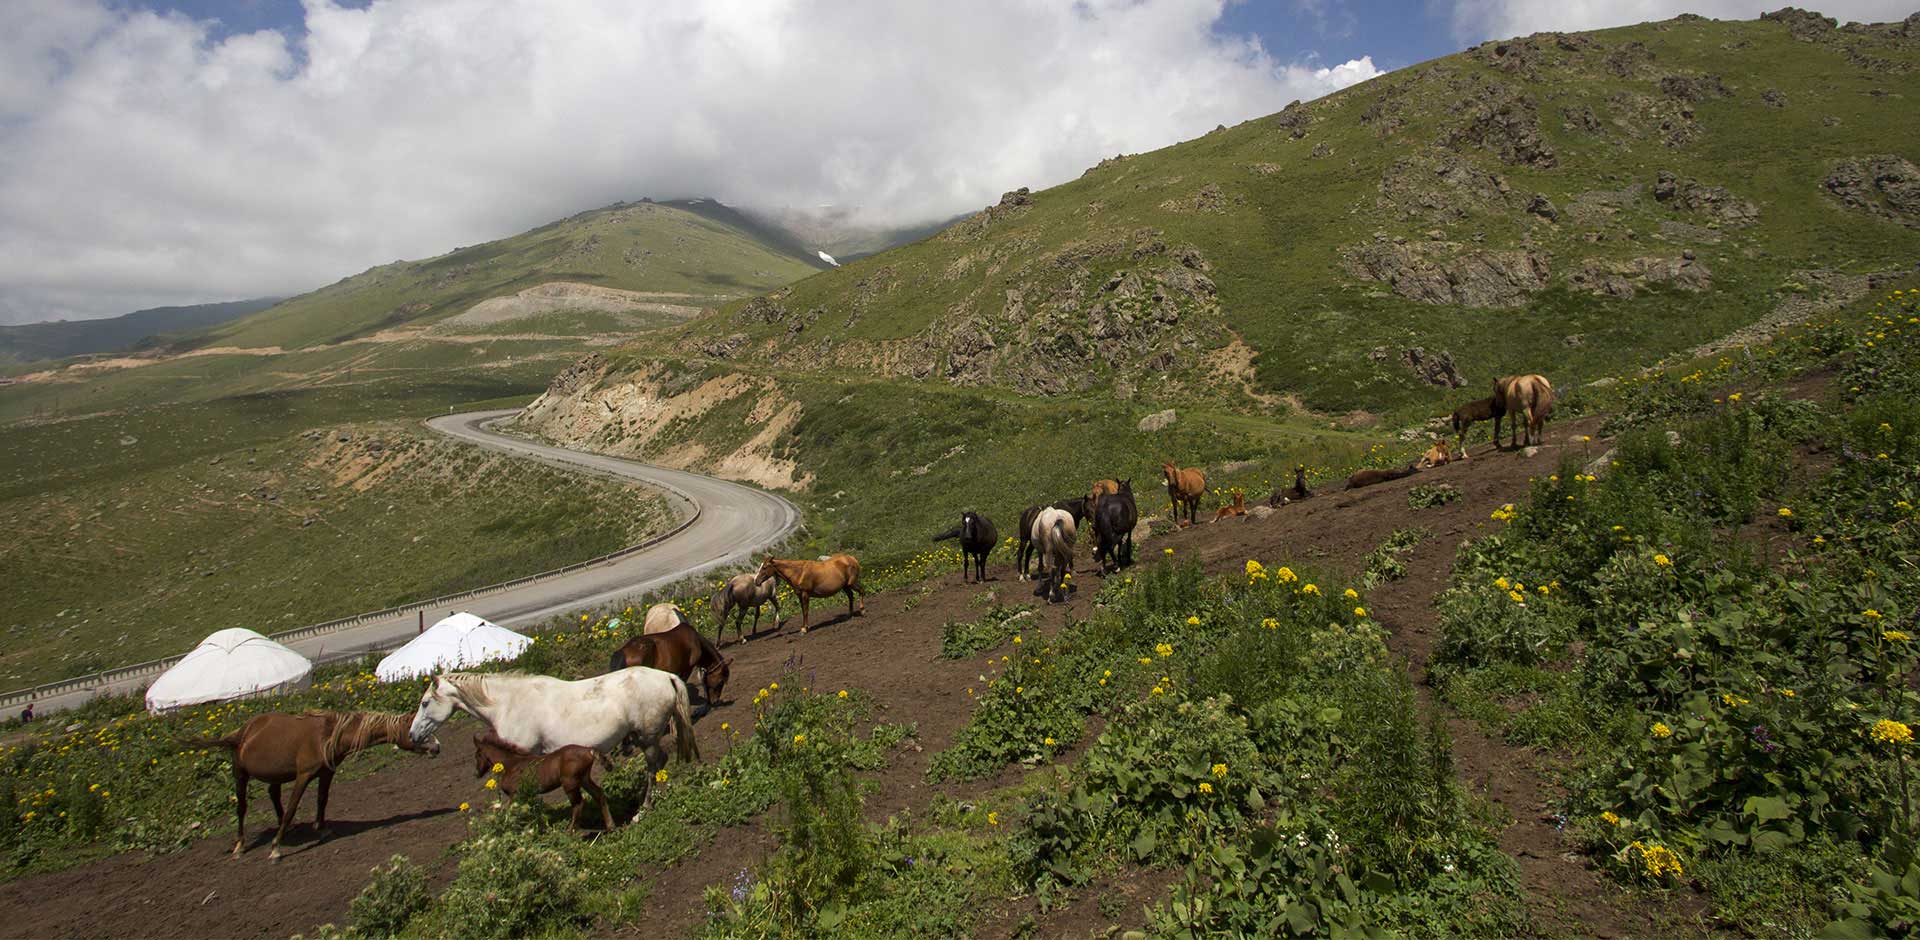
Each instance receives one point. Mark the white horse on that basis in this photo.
(541, 713)
(1053, 531)
(662, 617)
(739, 593)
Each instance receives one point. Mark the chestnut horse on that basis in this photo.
(811, 579)
(568, 767)
(1237, 508)
(1184, 488)
(680, 651)
(1523, 396)
(279, 748)
(1436, 456)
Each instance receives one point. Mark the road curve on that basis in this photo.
(732, 522)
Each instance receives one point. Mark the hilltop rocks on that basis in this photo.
(1444, 273)
(1884, 185)
(1624, 279)
(1805, 25)
(1019, 197)
(1294, 120)
(1692, 195)
(1436, 369)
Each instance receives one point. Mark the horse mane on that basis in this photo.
(348, 732)
(472, 686)
(491, 739)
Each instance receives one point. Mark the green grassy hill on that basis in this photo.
(1574, 204)
(31, 342)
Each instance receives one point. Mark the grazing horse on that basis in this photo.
(1053, 531)
(279, 748)
(1076, 507)
(1237, 508)
(662, 617)
(1436, 456)
(811, 579)
(1100, 488)
(1478, 410)
(1113, 528)
(541, 713)
(1523, 396)
(739, 593)
(1184, 489)
(977, 538)
(1370, 477)
(569, 768)
(680, 651)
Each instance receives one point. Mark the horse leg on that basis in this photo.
(606, 814)
(573, 796)
(240, 809)
(805, 603)
(320, 817)
(286, 820)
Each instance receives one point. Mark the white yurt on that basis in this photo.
(234, 663)
(457, 642)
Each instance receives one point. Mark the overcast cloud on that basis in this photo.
(143, 162)
(1477, 20)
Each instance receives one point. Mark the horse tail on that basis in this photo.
(683, 741)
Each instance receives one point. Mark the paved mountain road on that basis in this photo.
(733, 521)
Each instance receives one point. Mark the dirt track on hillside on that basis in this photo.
(893, 653)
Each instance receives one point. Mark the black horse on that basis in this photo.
(1027, 553)
(977, 538)
(1113, 528)
(1300, 490)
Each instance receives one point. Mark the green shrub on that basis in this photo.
(399, 890)
(996, 626)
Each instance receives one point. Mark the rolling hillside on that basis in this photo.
(31, 342)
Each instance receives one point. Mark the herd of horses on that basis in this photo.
(558, 730)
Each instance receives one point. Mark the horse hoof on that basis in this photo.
(275, 857)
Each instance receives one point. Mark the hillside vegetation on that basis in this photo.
(30, 342)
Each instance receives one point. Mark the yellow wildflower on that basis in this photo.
(1351, 594)
(1359, 611)
(1785, 513)
(465, 806)
(1206, 787)
(1049, 742)
(1270, 623)
(1167, 550)
(660, 776)
(799, 739)
(1309, 588)
(1193, 621)
(1896, 636)
(499, 768)
(1163, 649)
(1870, 614)
(1517, 596)
(493, 784)
(843, 693)
(993, 819)
(1502, 583)
(1219, 771)
(1284, 574)
(1663, 561)
(1157, 690)
(1660, 730)
(1888, 731)
(1612, 818)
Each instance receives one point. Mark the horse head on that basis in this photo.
(436, 706)
(1171, 472)
(1126, 486)
(714, 680)
(969, 527)
(767, 570)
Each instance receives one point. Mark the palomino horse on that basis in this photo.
(662, 617)
(298, 749)
(977, 538)
(811, 579)
(541, 713)
(680, 651)
(1113, 528)
(569, 768)
(743, 591)
(1523, 396)
(1481, 409)
(1184, 488)
(1370, 477)
(1053, 531)
(1076, 507)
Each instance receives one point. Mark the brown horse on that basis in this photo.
(811, 579)
(1436, 456)
(1478, 410)
(1523, 396)
(680, 651)
(1184, 489)
(1370, 477)
(569, 766)
(1237, 508)
(279, 748)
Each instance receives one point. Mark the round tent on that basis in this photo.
(457, 642)
(234, 663)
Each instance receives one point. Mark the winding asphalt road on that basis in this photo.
(731, 522)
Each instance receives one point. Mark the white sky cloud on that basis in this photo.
(142, 162)
(1477, 20)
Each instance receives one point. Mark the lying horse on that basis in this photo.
(1482, 409)
(1237, 508)
(569, 768)
(1184, 489)
(811, 579)
(1113, 526)
(298, 749)
(1436, 456)
(739, 593)
(1076, 507)
(1053, 531)
(1370, 477)
(1300, 491)
(540, 713)
(977, 538)
(680, 651)
(1523, 396)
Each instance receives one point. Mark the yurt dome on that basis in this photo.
(458, 642)
(233, 663)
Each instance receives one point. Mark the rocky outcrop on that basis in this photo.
(1886, 185)
(1435, 369)
(1805, 25)
(1715, 202)
(1158, 421)
(1294, 120)
(1440, 186)
(1441, 272)
(1694, 89)
(1624, 279)
(1504, 120)
(1210, 198)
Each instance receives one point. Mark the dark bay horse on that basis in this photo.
(279, 749)
(680, 651)
(977, 538)
(1028, 552)
(1370, 477)
(811, 579)
(569, 767)
(1113, 526)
